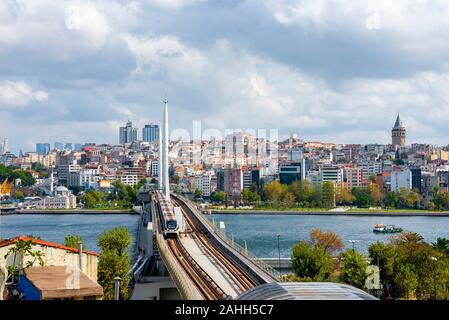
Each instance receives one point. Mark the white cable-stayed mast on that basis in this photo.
(165, 153)
(160, 162)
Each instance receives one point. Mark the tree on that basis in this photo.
(218, 196)
(376, 196)
(383, 256)
(328, 194)
(142, 182)
(311, 263)
(442, 246)
(391, 200)
(344, 196)
(198, 193)
(114, 261)
(18, 195)
(302, 190)
(406, 281)
(274, 191)
(361, 197)
(21, 250)
(72, 241)
(329, 241)
(88, 200)
(288, 199)
(116, 240)
(353, 270)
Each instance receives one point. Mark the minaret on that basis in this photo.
(398, 133)
(165, 153)
(160, 163)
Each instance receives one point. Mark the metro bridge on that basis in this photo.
(181, 249)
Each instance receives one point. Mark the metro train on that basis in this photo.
(169, 221)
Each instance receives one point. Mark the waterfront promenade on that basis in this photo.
(382, 213)
(72, 211)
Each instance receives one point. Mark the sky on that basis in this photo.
(336, 71)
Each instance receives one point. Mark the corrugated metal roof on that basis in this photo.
(305, 291)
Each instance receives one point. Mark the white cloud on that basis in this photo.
(173, 4)
(19, 94)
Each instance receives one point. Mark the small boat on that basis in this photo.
(380, 228)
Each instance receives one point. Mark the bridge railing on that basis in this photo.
(243, 251)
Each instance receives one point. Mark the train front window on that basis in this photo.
(171, 225)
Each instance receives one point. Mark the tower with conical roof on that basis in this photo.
(398, 133)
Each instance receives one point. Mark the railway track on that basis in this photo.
(207, 286)
(234, 271)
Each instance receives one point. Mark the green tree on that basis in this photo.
(72, 240)
(18, 195)
(274, 191)
(23, 249)
(406, 281)
(218, 196)
(198, 193)
(303, 191)
(311, 262)
(353, 271)
(89, 200)
(362, 199)
(115, 261)
(442, 246)
(142, 182)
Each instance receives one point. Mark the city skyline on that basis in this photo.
(327, 73)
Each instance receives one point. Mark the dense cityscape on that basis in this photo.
(240, 170)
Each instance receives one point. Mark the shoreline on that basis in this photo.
(333, 213)
(67, 212)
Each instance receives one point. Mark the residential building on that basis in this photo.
(353, 176)
(203, 183)
(401, 179)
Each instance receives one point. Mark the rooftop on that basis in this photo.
(305, 291)
(56, 282)
(7, 242)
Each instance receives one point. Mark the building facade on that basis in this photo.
(150, 133)
(128, 133)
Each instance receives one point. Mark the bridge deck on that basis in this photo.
(213, 267)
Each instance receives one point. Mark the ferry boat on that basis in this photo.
(380, 228)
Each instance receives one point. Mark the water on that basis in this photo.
(55, 227)
(260, 231)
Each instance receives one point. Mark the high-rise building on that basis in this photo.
(128, 133)
(59, 146)
(42, 148)
(78, 147)
(398, 133)
(150, 133)
(68, 146)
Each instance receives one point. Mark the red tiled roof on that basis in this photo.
(7, 242)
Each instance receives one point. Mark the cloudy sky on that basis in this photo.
(337, 71)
